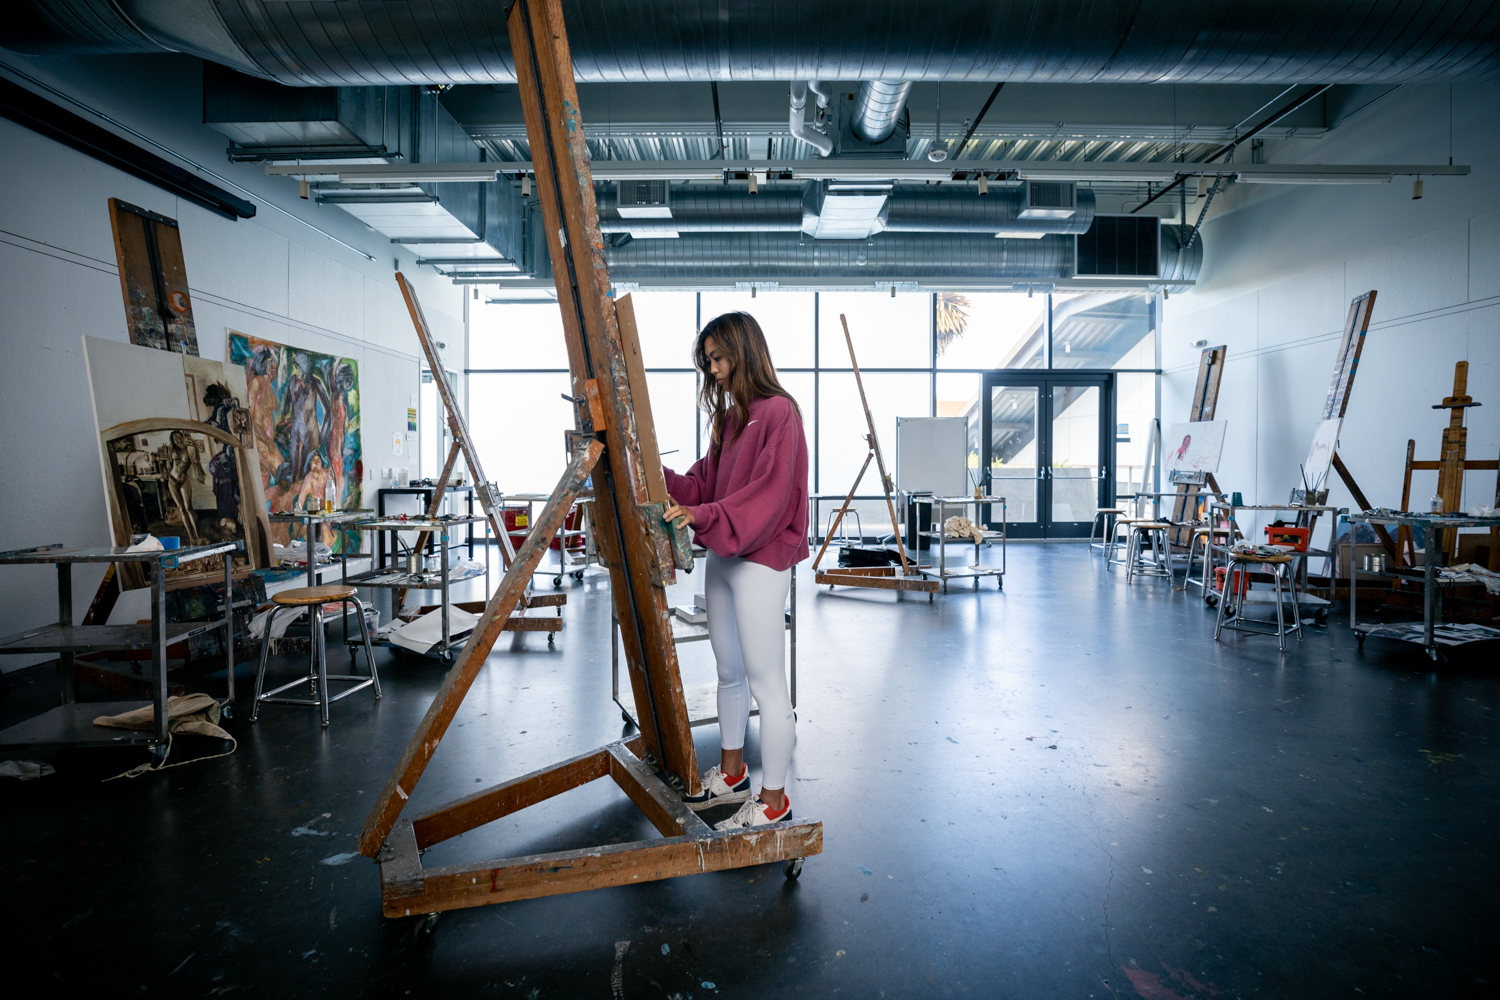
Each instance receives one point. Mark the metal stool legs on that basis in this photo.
(1106, 537)
(318, 676)
(1239, 623)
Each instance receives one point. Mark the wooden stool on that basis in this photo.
(1279, 568)
(1106, 537)
(1114, 546)
(314, 599)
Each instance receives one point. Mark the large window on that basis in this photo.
(922, 354)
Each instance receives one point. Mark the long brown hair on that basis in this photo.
(752, 376)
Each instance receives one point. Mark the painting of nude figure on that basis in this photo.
(304, 416)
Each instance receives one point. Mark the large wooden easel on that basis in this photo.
(1450, 469)
(654, 768)
(1336, 403)
(1205, 402)
(879, 577)
(488, 492)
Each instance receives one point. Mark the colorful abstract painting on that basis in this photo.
(304, 411)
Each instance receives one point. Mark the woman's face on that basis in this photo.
(718, 365)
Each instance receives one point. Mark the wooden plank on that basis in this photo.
(450, 693)
(401, 865)
(878, 582)
(538, 875)
(656, 800)
(153, 279)
(637, 560)
(863, 571)
(635, 370)
(500, 800)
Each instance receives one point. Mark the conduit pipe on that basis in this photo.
(800, 128)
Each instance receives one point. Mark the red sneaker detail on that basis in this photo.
(731, 782)
(786, 807)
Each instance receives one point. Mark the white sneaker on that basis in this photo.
(755, 813)
(718, 790)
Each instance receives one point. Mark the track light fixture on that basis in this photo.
(1416, 189)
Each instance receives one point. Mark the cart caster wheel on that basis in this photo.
(793, 869)
(227, 711)
(1321, 618)
(424, 926)
(1211, 601)
(1360, 641)
(446, 657)
(578, 575)
(550, 640)
(556, 582)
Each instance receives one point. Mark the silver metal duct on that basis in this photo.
(920, 208)
(355, 42)
(1178, 263)
(789, 256)
(912, 208)
(877, 109)
(711, 209)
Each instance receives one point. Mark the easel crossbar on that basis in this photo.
(688, 846)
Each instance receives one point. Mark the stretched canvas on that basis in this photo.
(1194, 447)
(177, 454)
(1320, 455)
(304, 417)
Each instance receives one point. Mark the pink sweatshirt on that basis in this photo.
(751, 500)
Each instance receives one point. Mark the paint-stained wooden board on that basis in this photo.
(153, 279)
(635, 368)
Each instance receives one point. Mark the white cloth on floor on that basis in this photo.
(25, 769)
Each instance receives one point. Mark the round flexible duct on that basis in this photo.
(356, 42)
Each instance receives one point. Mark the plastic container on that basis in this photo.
(1240, 585)
(1297, 538)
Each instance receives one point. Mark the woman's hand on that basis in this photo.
(677, 514)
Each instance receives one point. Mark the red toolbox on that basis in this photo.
(1241, 581)
(1297, 538)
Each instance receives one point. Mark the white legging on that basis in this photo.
(746, 628)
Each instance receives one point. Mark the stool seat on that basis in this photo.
(302, 596)
(1110, 510)
(1248, 557)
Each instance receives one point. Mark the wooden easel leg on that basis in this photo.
(456, 684)
(1364, 504)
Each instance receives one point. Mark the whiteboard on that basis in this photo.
(932, 455)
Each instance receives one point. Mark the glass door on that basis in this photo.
(1048, 450)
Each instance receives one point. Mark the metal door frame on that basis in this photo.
(1043, 527)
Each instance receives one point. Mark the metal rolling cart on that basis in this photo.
(71, 724)
(1307, 517)
(973, 571)
(1428, 575)
(399, 578)
(582, 505)
(689, 632)
(309, 518)
(425, 492)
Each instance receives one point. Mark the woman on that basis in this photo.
(747, 503)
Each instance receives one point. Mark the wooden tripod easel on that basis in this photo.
(1205, 403)
(488, 492)
(611, 411)
(1450, 469)
(878, 577)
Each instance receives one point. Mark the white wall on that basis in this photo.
(1281, 265)
(268, 276)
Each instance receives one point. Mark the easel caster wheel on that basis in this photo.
(549, 639)
(793, 869)
(424, 925)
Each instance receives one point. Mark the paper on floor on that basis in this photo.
(427, 631)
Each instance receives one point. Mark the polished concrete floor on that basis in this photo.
(1065, 789)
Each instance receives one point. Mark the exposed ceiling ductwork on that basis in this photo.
(903, 208)
(363, 42)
